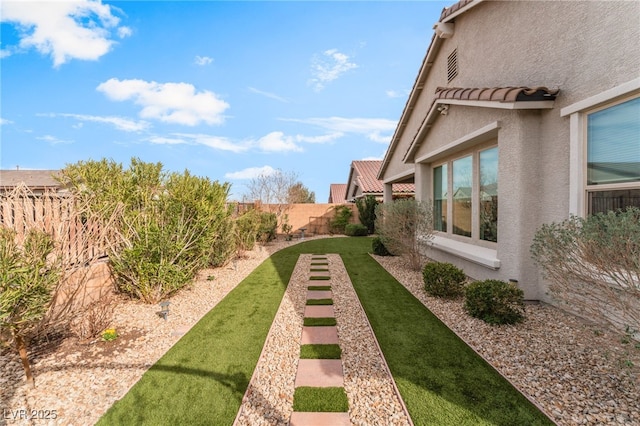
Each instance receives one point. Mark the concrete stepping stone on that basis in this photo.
(319, 311)
(319, 294)
(319, 335)
(320, 373)
(319, 419)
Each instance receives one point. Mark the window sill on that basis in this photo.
(480, 255)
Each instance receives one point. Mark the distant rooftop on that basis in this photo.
(34, 179)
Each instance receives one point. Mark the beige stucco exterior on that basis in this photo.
(584, 49)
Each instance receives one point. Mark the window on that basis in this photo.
(488, 194)
(468, 196)
(440, 198)
(613, 157)
(462, 189)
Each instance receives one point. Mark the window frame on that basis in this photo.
(587, 189)
(474, 152)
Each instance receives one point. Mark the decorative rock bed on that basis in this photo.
(579, 373)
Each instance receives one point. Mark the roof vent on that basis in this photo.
(452, 65)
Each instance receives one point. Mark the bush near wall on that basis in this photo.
(495, 302)
(356, 230)
(443, 280)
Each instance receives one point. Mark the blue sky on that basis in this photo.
(225, 89)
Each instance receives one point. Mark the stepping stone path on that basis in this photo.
(371, 392)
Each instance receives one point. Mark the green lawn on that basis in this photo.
(202, 379)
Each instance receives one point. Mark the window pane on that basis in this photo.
(440, 198)
(604, 201)
(489, 195)
(462, 180)
(613, 144)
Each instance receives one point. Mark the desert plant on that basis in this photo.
(246, 230)
(378, 248)
(593, 265)
(286, 227)
(405, 228)
(367, 212)
(28, 278)
(355, 230)
(267, 227)
(495, 302)
(443, 279)
(94, 317)
(341, 218)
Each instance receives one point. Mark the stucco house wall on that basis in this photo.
(581, 48)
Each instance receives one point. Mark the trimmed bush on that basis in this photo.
(378, 247)
(443, 280)
(341, 217)
(495, 302)
(356, 230)
(268, 227)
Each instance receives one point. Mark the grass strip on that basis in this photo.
(441, 379)
(319, 263)
(319, 287)
(319, 278)
(319, 322)
(331, 351)
(319, 269)
(315, 302)
(312, 399)
(203, 377)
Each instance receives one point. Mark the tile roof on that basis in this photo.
(366, 175)
(338, 193)
(447, 11)
(32, 178)
(499, 94)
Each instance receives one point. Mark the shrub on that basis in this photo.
(341, 217)
(246, 230)
(367, 212)
(378, 247)
(268, 227)
(593, 265)
(495, 302)
(443, 280)
(356, 230)
(405, 227)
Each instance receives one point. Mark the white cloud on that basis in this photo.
(64, 30)
(53, 140)
(397, 94)
(215, 142)
(160, 140)
(320, 139)
(4, 122)
(124, 32)
(375, 129)
(328, 67)
(177, 103)
(203, 60)
(268, 94)
(118, 122)
(277, 142)
(251, 172)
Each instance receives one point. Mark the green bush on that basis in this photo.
(268, 227)
(246, 230)
(495, 302)
(378, 247)
(341, 217)
(367, 212)
(443, 280)
(355, 230)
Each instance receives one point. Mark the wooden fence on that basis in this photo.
(79, 240)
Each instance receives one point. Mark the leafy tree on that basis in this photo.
(27, 283)
(272, 188)
(367, 212)
(405, 226)
(341, 218)
(298, 193)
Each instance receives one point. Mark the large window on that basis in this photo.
(467, 198)
(613, 157)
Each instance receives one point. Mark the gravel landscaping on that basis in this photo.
(577, 372)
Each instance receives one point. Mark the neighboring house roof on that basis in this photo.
(34, 179)
(338, 193)
(364, 173)
(499, 94)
